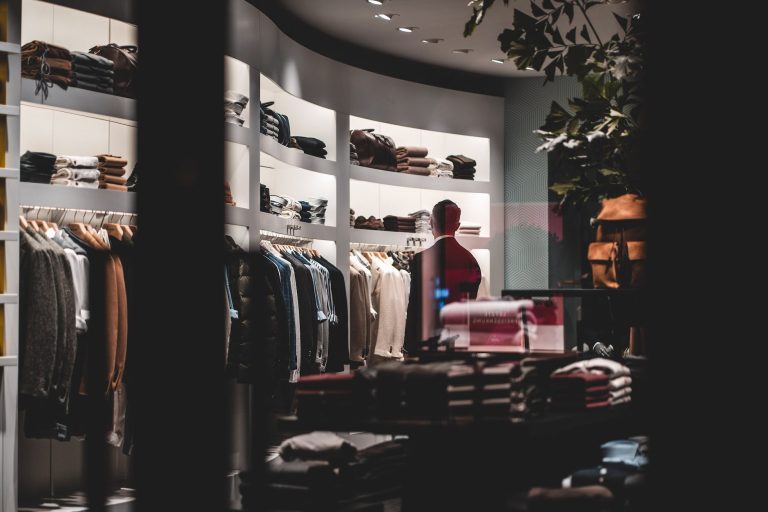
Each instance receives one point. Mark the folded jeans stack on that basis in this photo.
(309, 145)
(353, 158)
(234, 105)
(412, 160)
(422, 218)
(76, 171)
(37, 167)
(401, 224)
(112, 173)
(46, 63)
(441, 168)
(92, 72)
(619, 379)
(463, 167)
(469, 229)
(369, 223)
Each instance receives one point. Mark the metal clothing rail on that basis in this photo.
(282, 238)
(383, 247)
(58, 215)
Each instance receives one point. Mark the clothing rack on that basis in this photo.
(382, 248)
(283, 239)
(92, 217)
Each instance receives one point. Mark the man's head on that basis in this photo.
(445, 218)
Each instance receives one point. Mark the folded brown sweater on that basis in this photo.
(37, 48)
(112, 171)
(416, 151)
(415, 161)
(110, 186)
(112, 161)
(421, 171)
(114, 180)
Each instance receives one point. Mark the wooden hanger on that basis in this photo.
(115, 230)
(23, 222)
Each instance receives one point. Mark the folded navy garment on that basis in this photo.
(91, 60)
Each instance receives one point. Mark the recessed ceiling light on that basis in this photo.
(497, 61)
(407, 29)
(434, 40)
(376, 2)
(462, 51)
(386, 17)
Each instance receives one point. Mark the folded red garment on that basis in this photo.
(583, 379)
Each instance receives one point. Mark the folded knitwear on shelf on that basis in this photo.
(111, 161)
(73, 183)
(415, 162)
(234, 105)
(353, 158)
(580, 390)
(411, 151)
(271, 121)
(46, 63)
(369, 223)
(620, 380)
(461, 162)
(422, 223)
(402, 224)
(441, 174)
(469, 228)
(110, 186)
(76, 174)
(115, 180)
(92, 83)
(36, 167)
(76, 162)
(92, 72)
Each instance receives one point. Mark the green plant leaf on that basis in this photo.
(538, 60)
(523, 21)
(550, 70)
(610, 172)
(536, 10)
(571, 35)
(585, 34)
(568, 9)
(573, 127)
(562, 188)
(557, 38)
(547, 4)
(622, 21)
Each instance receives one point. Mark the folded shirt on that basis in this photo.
(441, 174)
(110, 186)
(414, 151)
(92, 60)
(77, 174)
(598, 365)
(111, 161)
(81, 162)
(415, 162)
(72, 183)
(115, 180)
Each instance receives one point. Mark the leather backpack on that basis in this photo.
(126, 62)
(618, 255)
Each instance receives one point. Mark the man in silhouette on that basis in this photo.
(441, 274)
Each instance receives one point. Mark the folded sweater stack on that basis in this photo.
(92, 72)
(400, 224)
(614, 376)
(37, 167)
(46, 63)
(469, 229)
(112, 175)
(76, 171)
(234, 105)
(463, 167)
(412, 160)
(441, 169)
(422, 221)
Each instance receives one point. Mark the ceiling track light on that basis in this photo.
(385, 17)
(434, 40)
(407, 30)
(497, 61)
(462, 51)
(529, 68)
(376, 2)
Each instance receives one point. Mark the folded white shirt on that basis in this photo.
(76, 161)
(77, 174)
